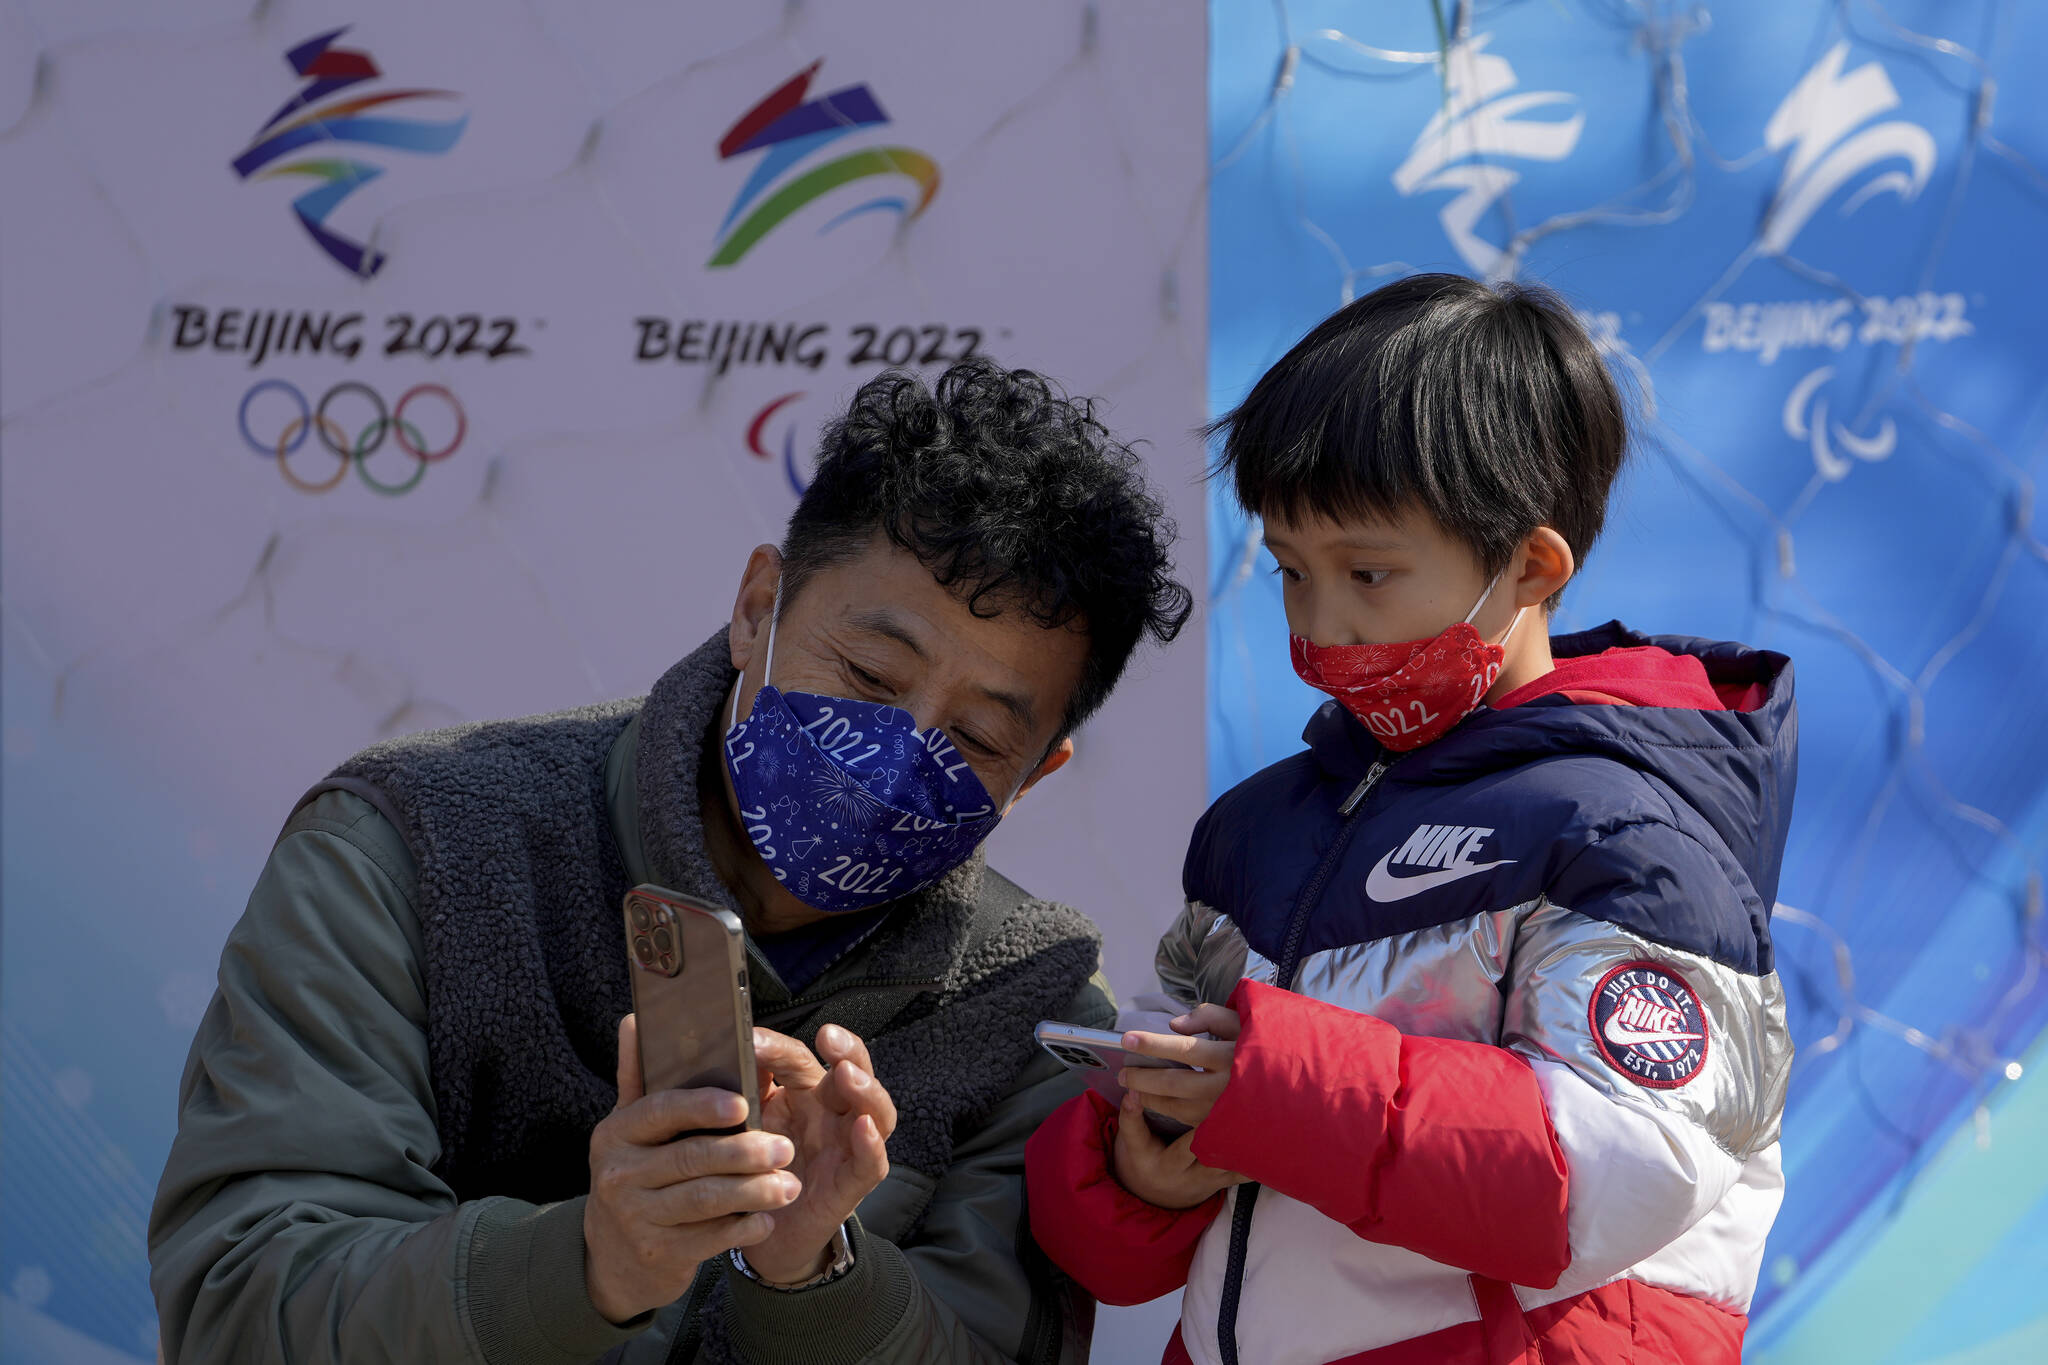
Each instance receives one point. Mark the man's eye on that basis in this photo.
(968, 739)
(865, 678)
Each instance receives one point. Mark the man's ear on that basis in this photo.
(756, 600)
(1547, 565)
(1052, 763)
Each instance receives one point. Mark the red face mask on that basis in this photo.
(1410, 693)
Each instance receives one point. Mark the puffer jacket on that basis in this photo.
(1513, 1052)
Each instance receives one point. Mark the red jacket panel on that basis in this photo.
(1434, 1144)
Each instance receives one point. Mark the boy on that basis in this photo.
(1485, 974)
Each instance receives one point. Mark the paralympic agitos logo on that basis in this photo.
(757, 428)
(305, 121)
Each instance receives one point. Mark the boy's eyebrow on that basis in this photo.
(1349, 543)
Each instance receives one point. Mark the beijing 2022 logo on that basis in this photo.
(785, 129)
(304, 121)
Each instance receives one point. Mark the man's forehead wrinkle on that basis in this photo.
(883, 621)
(901, 628)
(1016, 703)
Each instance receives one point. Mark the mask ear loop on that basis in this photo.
(1483, 598)
(1502, 643)
(767, 663)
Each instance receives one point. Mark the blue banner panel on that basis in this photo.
(1807, 235)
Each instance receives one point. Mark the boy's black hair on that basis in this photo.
(1013, 495)
(1486, 406)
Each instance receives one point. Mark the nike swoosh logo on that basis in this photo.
(1382, 885)
(1622, 1035)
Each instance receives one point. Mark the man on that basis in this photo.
(412, 1126)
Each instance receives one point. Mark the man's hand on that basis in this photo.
(839, 1117)
(1170, 1090)
(658, 1207)
(1162, 1173)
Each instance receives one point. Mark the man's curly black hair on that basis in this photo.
(1013, 495)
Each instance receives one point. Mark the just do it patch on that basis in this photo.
(1649, 1025)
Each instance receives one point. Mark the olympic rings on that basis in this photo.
(461, 422)
(382, 422)
(313, 419)
(389, 490)
(242, 419)
(284, 466)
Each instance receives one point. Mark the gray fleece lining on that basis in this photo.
(519, 888)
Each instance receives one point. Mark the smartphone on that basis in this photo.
(1098, 1055)
(688, 961)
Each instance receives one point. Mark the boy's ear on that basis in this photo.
(1547, 565)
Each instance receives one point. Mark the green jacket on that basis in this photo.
(299, 1217)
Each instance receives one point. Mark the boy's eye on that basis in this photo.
(1370, 577)
(1291, 575)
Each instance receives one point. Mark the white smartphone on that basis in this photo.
(1098, 1055)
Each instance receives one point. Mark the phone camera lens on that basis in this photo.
(643, 951)
(664, 941)
(641, 921)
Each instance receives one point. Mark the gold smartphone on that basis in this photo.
(688, 961)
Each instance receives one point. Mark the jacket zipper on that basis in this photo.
(1286, 969)
(1365, 786)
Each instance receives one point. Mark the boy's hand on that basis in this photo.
(1170, 1090)
(1162, 1173)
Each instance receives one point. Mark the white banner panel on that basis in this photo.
(377, 366)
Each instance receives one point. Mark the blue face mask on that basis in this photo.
(848, 802)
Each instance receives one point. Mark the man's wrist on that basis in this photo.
(860, 1317)
(834, 1259)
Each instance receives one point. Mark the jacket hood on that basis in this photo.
(1736, 768)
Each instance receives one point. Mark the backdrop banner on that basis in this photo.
(1805, 232)
(376, 366)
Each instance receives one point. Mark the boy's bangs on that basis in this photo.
(1338, 469)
